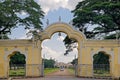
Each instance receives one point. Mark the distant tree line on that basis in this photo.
(49, 63)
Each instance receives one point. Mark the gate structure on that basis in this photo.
(86, 50)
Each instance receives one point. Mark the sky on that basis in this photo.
(53, 9)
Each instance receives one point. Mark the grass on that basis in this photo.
(50, 70)
(71, 70)
(21, 72)
(101, 73)
(17, 72)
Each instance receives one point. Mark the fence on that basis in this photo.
(102, 70)
(85, 70)
(96, 70)
(17, 70)
(31, 70)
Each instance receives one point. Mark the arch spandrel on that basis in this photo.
(65, 28)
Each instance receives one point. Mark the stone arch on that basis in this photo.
(65, 28)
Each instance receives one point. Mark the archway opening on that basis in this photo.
(56, 63)
(101, 64)
(17, 64)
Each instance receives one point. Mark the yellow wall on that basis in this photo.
(26, 47)
(86, 49)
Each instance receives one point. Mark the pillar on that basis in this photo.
(34, 68)
(85, 67)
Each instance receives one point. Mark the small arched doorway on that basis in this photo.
(16, 64)
(102, 64)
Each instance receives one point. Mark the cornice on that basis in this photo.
(22, 42)
(101, 43)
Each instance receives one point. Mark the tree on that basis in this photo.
(104, 14)
(69, 44)
(49, 63)
(101, 58)
(12, 15)
(101, 62)
(75, 61)
(17, 58)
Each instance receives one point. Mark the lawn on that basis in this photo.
(71, 70)
(21, 72)
(50, 70)
(17, 72)
(102, 73)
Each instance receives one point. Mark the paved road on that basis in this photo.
(59, 75)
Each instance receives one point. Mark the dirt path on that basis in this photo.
(61, 73)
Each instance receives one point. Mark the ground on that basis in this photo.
(59, 75)
(65, 72)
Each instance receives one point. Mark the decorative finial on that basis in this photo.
(59, 18)
(47, 22)
(59, 33)
(75, 56)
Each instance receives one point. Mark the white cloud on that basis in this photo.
(48, 52)
(50, 5)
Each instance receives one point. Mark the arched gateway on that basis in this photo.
(86, 50)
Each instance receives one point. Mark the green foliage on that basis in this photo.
(11, 10)
(112, 36)
(17, 58)
(101, 64)
(18, 72)
(105, 14)
(69, 44)
(101, 58)
(49, 63)
(75, 61)
(4, 36)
